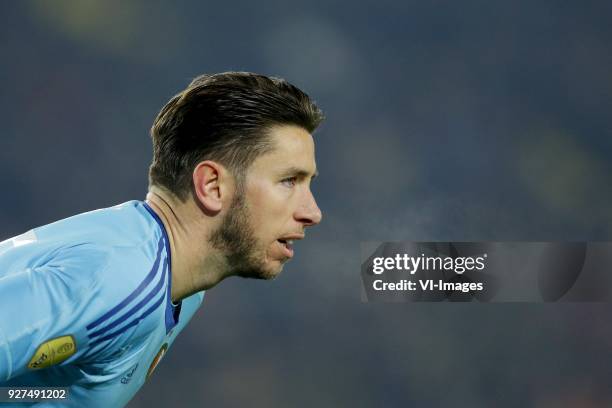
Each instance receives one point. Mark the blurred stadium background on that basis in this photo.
(469, 120)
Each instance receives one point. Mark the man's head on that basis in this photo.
(223, 117)
(257, 130)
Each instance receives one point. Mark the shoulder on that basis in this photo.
(121, 225)
(114, 248)
(123, 261)
(92, 261)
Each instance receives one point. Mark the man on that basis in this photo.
(93, 302)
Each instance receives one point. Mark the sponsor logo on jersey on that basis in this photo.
(128, 376)
(157, 359)
(52, 352)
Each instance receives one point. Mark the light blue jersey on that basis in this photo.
(85, 304)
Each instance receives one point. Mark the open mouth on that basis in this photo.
(287, 245)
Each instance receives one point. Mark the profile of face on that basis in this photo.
(272, 208)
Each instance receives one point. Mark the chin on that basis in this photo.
(272, 272)
(267, 272)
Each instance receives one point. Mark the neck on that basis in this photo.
(195, 264)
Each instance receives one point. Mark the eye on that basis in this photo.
(289, 181)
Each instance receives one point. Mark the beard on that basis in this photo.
(235, 238)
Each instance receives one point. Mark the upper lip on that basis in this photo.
(293, 237)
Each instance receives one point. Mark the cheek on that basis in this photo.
(267, 201)
(269, 210)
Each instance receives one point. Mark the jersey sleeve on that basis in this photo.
(44, 311)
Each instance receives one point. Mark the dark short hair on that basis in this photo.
(223, 117)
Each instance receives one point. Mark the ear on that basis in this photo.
(210, 183)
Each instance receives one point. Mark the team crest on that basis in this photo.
(52, 352)
(157, 359)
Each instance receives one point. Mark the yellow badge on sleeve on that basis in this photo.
(52, 352)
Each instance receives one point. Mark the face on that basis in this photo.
(274, 207)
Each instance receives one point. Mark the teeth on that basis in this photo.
(289, 242)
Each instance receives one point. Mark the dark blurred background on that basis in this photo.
(471, 120)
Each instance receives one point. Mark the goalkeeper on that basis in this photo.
(92, 302)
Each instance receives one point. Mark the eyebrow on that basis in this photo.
(299, 172)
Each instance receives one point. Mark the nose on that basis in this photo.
(309, 212)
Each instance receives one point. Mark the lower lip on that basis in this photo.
(288, 252)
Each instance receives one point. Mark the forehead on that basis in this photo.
(292, 147)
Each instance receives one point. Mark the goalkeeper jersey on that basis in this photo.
(85, 304)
